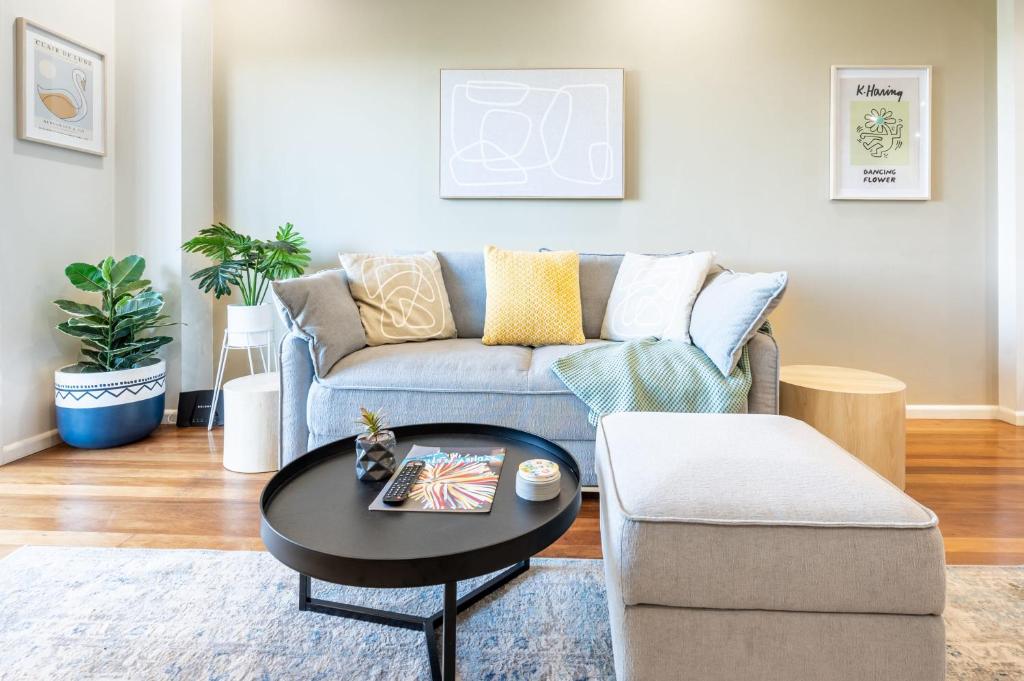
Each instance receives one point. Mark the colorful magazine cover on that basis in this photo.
(453, 480)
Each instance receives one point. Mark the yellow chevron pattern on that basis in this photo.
(532, 298)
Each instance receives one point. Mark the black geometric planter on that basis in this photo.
(375, 458)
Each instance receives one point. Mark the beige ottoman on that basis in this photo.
(752, 547)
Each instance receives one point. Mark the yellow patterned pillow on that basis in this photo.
(532, 298)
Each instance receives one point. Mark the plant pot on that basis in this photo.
(375, 456)
(110, 408)
(250, 326)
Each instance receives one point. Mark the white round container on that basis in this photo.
(251, 418)
(250, 326)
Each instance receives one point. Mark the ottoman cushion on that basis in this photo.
(758, 512)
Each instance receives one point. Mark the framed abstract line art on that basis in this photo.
(881, 127)
(531, 134)
(61, 90)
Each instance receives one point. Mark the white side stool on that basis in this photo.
(251, 417)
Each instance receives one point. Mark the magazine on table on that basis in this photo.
(453, 480)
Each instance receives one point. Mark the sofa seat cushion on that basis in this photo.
(449, 380)
(456, 364)
(542, 378)
(758, 512)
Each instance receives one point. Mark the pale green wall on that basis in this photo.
(56, 207)
(326, 114)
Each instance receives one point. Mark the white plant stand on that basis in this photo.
(250, 327)
(251, 416)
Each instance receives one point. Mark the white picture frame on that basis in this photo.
(880, 133)
(61, 90)
(531, 134)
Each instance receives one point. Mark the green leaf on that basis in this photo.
(85, 276)
(105, 269)
(219, 278)
(127, 271)
(147, 301)
(218, 242)
(80, 331)
(131, 286)
(77, 309)
(90, 321)
(91, 367)
(98, 344)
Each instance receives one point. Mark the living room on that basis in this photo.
(589, 340)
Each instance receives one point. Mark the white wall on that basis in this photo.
(1010, 189)
(149, 167)
(57, 208)
(326, 114)
(165, 164)
(61, 206)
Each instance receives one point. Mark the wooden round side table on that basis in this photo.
(863, 412)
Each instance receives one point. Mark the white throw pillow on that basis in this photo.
(400, 297)
(653, 296)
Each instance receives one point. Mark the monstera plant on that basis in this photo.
(115, 393)
(250, 265)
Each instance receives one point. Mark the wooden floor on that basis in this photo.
(171, 491)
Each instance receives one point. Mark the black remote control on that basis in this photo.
(398, 492)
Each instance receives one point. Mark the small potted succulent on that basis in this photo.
(375, 455)
(115, 394)
(250, 264)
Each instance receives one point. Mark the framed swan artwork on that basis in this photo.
(61, 90)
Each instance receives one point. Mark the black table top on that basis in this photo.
(315, 517)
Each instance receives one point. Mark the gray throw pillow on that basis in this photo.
(319, 308)
(729, 311)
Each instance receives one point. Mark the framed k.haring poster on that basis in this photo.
(61, 90)
(881, 132)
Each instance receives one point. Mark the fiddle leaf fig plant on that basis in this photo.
(118, 333)
(248, 263)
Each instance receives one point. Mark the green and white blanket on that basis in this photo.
(653, 375)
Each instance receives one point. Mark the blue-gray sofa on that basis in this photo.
(326, 374)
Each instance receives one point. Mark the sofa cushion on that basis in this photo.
(597, 277)
(448, 380)
(456, 364)
(463, 274)
(730, 309)
(759, 513)
(400, 297)
(653, 296)
(319, 309)
(542, 378)
(532, 298)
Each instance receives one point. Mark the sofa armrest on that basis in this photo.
(764, 369)
(296, 367)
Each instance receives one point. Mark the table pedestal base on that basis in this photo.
(442, 669)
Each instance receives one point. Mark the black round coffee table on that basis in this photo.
(315, 520)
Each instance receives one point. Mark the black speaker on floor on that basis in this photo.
(194, 409)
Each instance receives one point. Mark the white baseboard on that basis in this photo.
(965, 411)
(37, 443)
(29, 445)
(1010, 416)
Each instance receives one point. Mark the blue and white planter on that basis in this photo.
(98, 410)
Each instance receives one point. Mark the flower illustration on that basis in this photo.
(880, 120)
(454, 485)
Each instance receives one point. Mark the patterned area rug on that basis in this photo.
(78, 613)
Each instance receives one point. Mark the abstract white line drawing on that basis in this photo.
(534, 132)
(404, 291)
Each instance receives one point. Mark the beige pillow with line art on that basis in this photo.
(400, 297)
